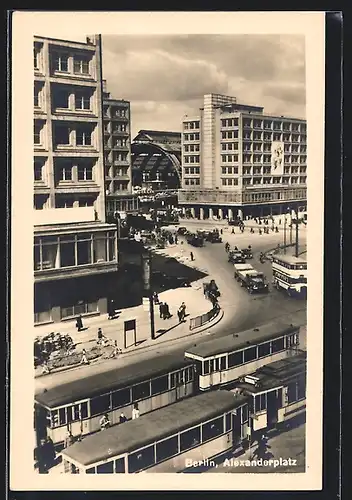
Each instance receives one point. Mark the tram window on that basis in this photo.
(160, 384)
(244, 414)
(250, 354)
(189, 374)
(228, 422)
(180, 377)
(141, 391)
(235, 359)
(260, 402)
(100, 404)
(76, 412)
(166, 449)
(107, 468)
(84, 410)
(90, 471)
(292, 392)
(278, 345)
(301, 389)
(172, 380)
(121, 398)
(120, 466)
(206, 368)
(212, 429)
(189, 439)
(223, 363)
(263, 350)
(141, 459)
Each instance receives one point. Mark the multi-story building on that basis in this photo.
(238, 161)
(75, 250)
(117, 154)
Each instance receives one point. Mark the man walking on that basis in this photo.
(79, 323)
(84, 360)
(161, 310)
(182, 312)
(192, 256)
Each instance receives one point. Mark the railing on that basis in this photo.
(204, 318)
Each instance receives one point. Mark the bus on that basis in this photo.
(203, 427)
(290, 274)
(221, 361)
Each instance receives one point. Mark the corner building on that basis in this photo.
(75, 250)
(239, 162)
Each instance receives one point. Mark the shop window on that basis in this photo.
(189, 439)
(278, 345)
(166, 449)
(250, 354)
(121, 398)
(160, 384)
(235, 359)
(107, 468)
(141, 391)
(141, 459)
(100, 404)
(263, 350)
(212, 429)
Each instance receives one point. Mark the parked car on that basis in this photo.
(163, 280)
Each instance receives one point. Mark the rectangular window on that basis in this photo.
(206, 367)
(81, 65)
(141, 391)
(84, 251)
(121, 398)
(250, 354)
(61, 62)
(82, 100)
(235, 359)
(212, 429)
(38, 171)
(62, 135)
(301, 388)
(107, 468)
(60, 97)
(37, 128)
(292, 392)
(83, 136)
(189, 439)
(260, 402)
(228, 423)
(278, 345)
(263, 350)
(166, 449)
(85, 173)
(100, 405)
(91, 470)
(36, 57)
(67, 253)
(141, 459)
(64, 173)
(36, 96)
(160, 384)
(120, 466)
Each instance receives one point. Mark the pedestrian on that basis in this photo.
(79, 323)
(155, 298)
(104, 422)
(68, 439)
(176, 239)
(161, 310)
(135, 412)
(41, 457)
(46, 368)
(116, 351)
(220, 231)
(167, 314)
(122, 418)
(49, 452)
(84, 359)
(232, 231)
(182, 310)
(192, 256)
(111, 309)
(100, 336)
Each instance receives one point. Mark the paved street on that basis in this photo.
(241, 310)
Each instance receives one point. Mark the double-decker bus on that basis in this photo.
(290, 274)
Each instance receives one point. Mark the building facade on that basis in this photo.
(117, 154)
(75, 250)
(239, 162)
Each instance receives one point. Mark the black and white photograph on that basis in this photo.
(174, 207)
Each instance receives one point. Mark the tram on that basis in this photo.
(196, 429)
(276, 393)
(195, 432)
(223, 360)
(77, 406)
(290, 274)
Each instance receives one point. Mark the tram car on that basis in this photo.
(196, 429)
(223, 360)
(194, 433)
(77, 406)
(276, 394)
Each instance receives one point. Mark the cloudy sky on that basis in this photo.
(165, 77)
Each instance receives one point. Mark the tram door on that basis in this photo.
(274, 399)
(236, 428)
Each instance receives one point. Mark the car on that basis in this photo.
(163, 280)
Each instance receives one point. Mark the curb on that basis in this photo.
(201, 329)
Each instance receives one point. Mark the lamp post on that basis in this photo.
(147, 291)
(296, 245)
(285, 224)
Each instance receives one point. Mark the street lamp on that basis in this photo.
(147, 291)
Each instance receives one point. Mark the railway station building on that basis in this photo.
(238, 161)
(75, 260)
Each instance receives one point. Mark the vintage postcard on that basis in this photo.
(167, 204)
